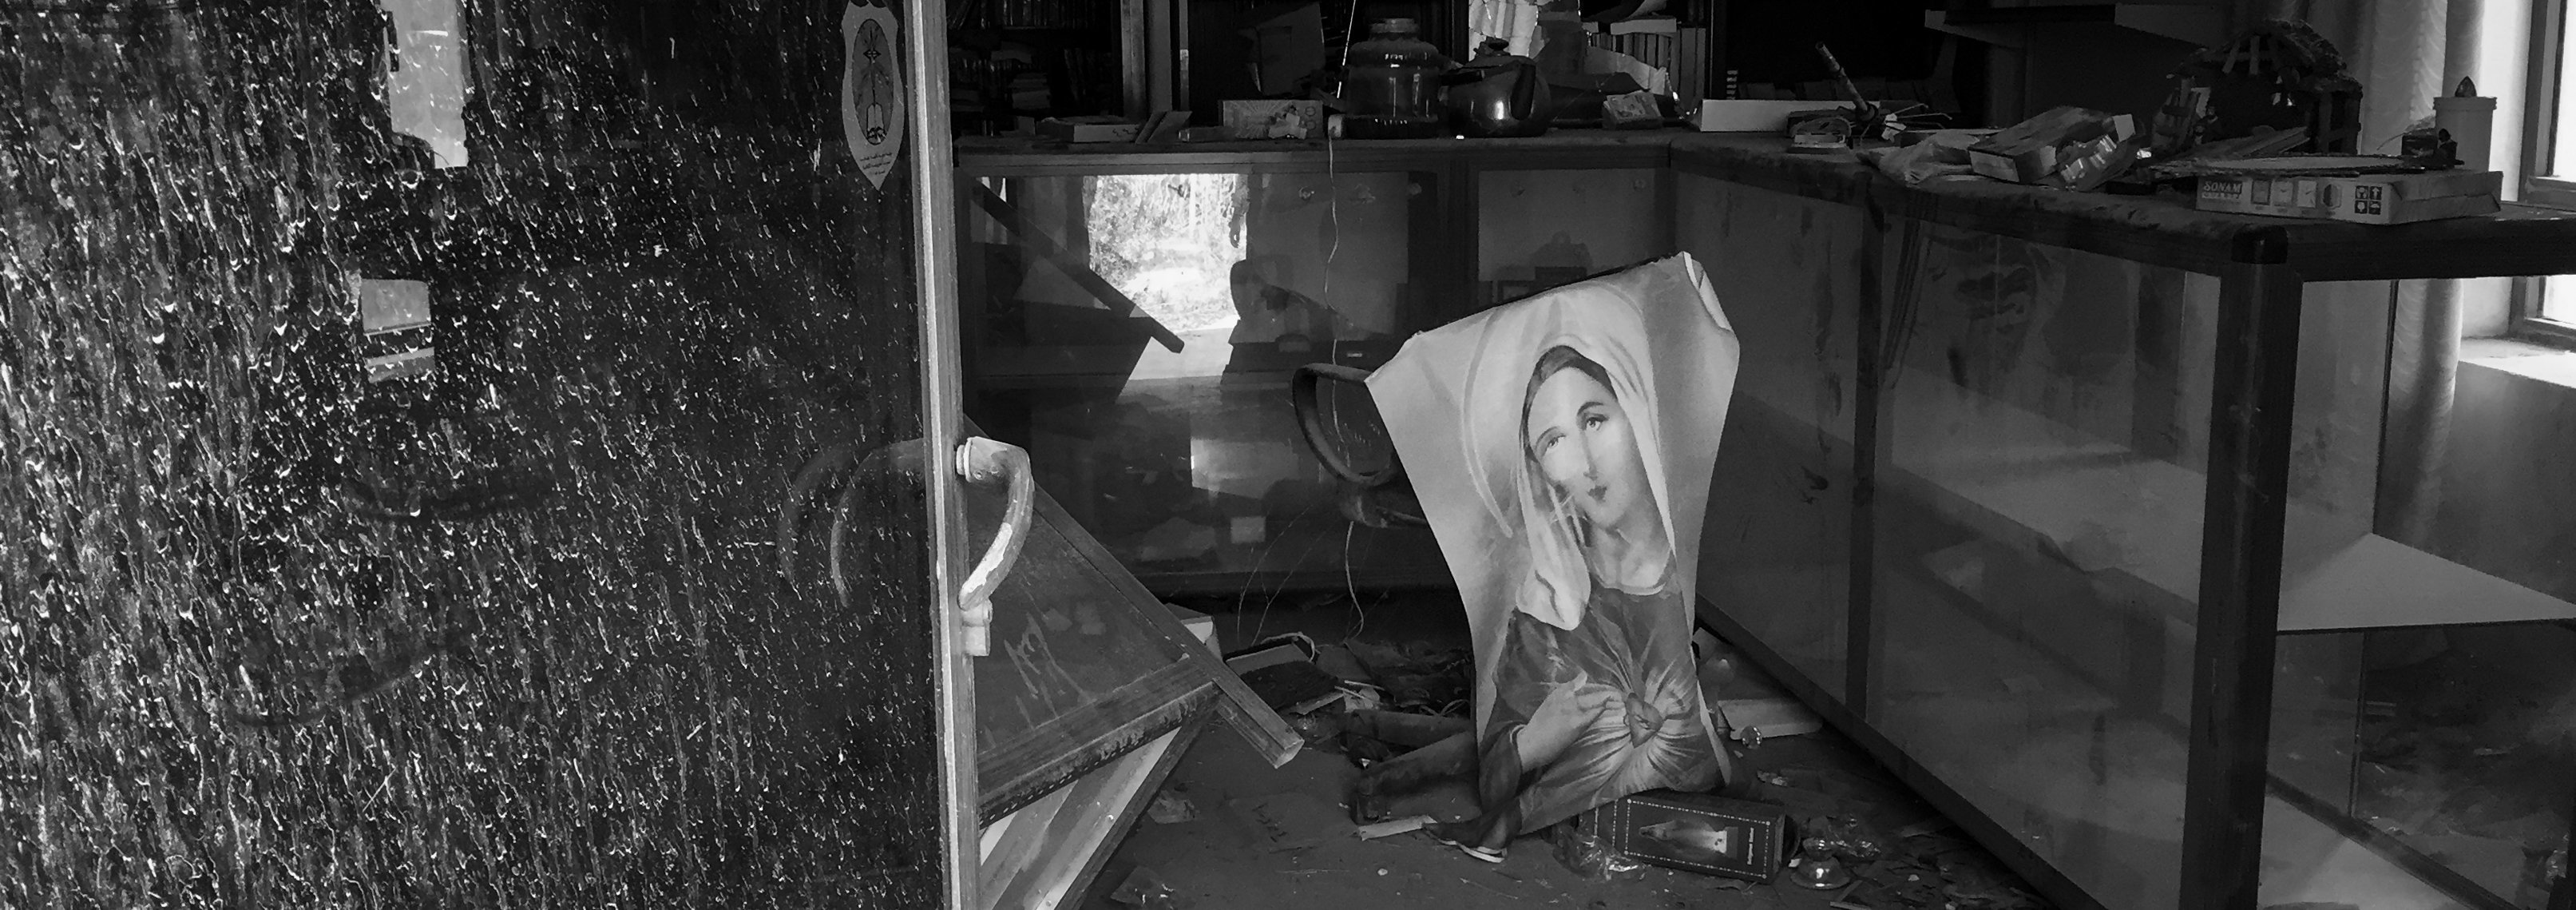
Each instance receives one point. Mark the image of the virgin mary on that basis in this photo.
(1591, 691)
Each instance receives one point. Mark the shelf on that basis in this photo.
(2135, 520)
(2161, 230)
(2033, 480)
(2012, 27)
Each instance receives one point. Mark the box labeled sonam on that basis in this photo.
(1698, 832)
(2366, 199)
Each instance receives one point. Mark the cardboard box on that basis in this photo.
(2370, 199)
(1274, 119)
(1088, 129)
(1695, 831)
(2037, 149)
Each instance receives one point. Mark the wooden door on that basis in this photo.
(415, 428)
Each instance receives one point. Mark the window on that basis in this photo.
(2547, 307)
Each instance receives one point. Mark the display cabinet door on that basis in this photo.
(479, 453)
(1138, 333)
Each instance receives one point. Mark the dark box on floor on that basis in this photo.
(1695, 831)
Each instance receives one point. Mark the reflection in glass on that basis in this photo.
(1137, 333)
(2408, 748)
(1776, 552)
(2038, 543)
(1539, 229)
(2421, 755)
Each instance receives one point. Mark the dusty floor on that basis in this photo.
(1280, 838)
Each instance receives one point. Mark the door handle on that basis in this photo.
(984, 462)
(978, 461)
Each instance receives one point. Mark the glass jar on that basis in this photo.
(1392, 88)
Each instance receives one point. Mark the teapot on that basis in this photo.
(1498, 94)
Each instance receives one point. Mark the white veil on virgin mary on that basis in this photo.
(1602, 324)
(1452, 401)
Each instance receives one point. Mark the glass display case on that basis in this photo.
(1778, 532)
(1133, 318)
(1136, 333)
(2091, 517)
(2123, 531)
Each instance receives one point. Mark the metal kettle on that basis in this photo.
(1498, 94)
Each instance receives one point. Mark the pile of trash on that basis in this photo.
(1336, 694)
(1372, 700)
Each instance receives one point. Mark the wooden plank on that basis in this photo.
(1079, 838)
(1870, 447)
(2161, 230)
(1135, 66)
(1022, 844)
(2145, 230)
(2240, 586)
(2520, 240)
(1585, 150)
(937, 314)
(1117, 824)
(1013, 773)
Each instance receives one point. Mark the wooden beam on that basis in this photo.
(2240, 583)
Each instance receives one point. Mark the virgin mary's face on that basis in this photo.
(1584, 444)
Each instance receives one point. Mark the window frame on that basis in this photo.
(2547, 80)
(2543, 86)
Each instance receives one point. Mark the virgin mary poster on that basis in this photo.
(1562, 448)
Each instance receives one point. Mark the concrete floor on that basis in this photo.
(1276, 839)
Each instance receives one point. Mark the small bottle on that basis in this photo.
(2470, 121)
(1392, 90)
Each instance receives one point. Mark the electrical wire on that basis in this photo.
(1245, 593)
(1352, 586)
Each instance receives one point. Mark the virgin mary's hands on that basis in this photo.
(1561, 718)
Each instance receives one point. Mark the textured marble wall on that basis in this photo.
(509, 633)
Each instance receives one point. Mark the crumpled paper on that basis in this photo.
(1943, 153)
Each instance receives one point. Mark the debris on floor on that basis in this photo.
(1170, 807)
(1393, 827)
(1695, 832)
(1748, 704)
(1418, 677)
(1289, 821)
(1145, 890)
(1293, 838)
(1283, 672)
